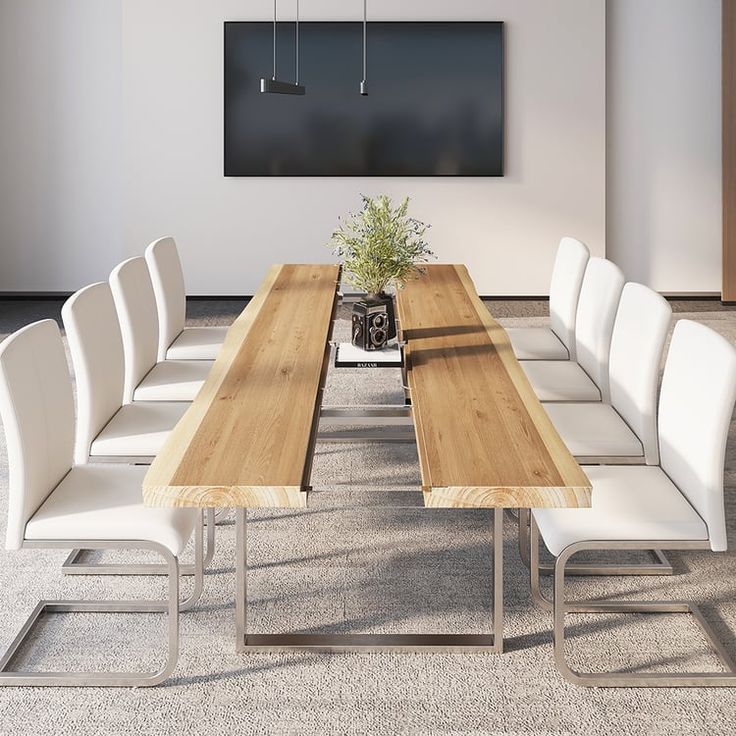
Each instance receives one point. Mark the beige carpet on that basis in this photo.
(363, 568)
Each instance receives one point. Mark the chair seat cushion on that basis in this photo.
(536, 343)
(594, 430)
(197, 343)
(138, 429)
(173, 380)
(559, 380)
(105, 502)
(630, 503)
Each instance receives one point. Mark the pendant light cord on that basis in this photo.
(365, 40)
(274, 39)
(297, 41)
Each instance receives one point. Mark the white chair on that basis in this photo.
(56, 505)
(625, 428)
(678, 504)
(556, 342)
(175, 341)
(586, 379)
(106, 428)
(145, 378)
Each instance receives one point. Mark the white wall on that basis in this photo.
(84, 81)
(60, 142)
(230, 230)
(92, 173)
(664, 142)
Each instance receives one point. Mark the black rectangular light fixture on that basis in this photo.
(274, 86)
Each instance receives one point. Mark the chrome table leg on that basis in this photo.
(368, 642)
(241, 575)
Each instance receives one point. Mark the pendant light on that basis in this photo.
(364, 81)
(273, 85)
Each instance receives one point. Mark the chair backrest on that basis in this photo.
(37, 411)
(96, 344)
(639, 335)
(599, 297)
(135, 304)
(564, 290)
(168, 286)
(695, 408)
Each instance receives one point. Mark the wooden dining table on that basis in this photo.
(482, 436)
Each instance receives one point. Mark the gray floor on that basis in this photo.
(361, 568)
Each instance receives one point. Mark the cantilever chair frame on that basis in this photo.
(173, 606)
(660, 564)
(560, 608)
(75, 565)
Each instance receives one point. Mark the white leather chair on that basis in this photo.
(175, 341)
(586, 378)
(107, 429)
(678, 504)
(625, 428)
(55, 504)
(556, 342)
(145, 378)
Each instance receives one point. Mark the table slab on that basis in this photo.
(248, 438)
(484, 439)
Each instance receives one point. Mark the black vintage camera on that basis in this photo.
(373, 324)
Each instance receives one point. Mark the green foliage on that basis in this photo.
(380, 245)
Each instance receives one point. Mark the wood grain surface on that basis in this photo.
(248, 437)
(483, 437)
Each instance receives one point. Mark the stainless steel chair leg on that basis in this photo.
(9, 677)
(532, 539)
(199, 565)
(73, 565)
(524, 520)
(629, 679)
(660, 566)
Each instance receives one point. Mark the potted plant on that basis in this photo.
(379, 247)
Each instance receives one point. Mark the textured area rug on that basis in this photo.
(347, 564)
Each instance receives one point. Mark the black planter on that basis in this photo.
(374, 322)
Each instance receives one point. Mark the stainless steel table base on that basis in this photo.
(384, 416)
(368, 642)
(362, 435)
(393, 417)
(371, 642)
(374, 414)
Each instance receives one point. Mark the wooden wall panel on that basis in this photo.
(729, 151)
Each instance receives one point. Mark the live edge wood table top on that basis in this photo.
(484, 439)
(247, 440)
